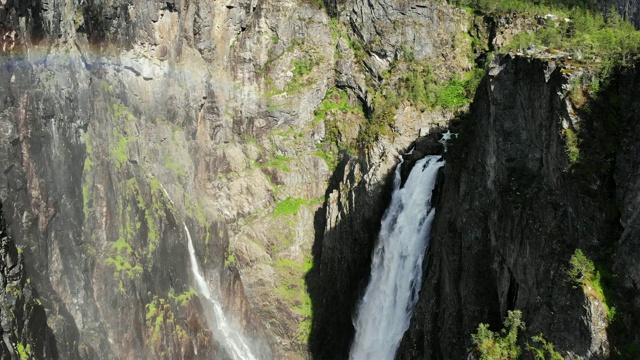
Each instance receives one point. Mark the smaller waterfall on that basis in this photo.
(234, 342)
(396, 269)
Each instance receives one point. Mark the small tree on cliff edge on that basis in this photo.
(502, 345)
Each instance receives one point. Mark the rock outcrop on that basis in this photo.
(513, 211)
(24, 329)
(123, 119)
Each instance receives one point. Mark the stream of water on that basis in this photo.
(396, 269)
(235, 344)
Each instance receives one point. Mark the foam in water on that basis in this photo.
(396, 269)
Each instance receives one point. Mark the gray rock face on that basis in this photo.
(511, 214)
(23, 322)
(629, 9)
(124, 119)
(121, 120)
(392, 30)
(627, 181)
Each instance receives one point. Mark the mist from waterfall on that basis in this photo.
(396, 270)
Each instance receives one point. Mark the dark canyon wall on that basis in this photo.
(514, 209)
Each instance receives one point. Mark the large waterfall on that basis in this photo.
(235, 344)
(396, 269)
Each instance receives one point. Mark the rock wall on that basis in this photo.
(514, 209)
(123, 119)
(624, 258)
(24, 331)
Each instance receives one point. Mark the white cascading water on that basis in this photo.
(234, 342)
(396, 269)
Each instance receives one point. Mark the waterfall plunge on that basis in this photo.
(232, 340)
(396, 269)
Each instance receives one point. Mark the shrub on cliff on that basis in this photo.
(502, 345)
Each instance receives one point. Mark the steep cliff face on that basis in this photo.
(25, 333)
(624, 258)
(124, 120)
(263, 127)
(515, 208)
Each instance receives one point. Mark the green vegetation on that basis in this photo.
(139, 221)
(106, 86)
(544, 349)
(161, 321)
(172, 164)
(290, 275)
(24, 352)
(119, 149)
(230, 257)
(583, 272)
(572, 142)
(121, 111)
(330, 157)
(250, 139)
(289, 206)
(421, 88)
(501, 345)
(122, 264)
(604, 42)
(319, 4)
(278, 162)
(335, 100)
(86, 171)
(301, 68)
(184, 298)
(13, 288)
(121, 138)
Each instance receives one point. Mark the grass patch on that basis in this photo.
(230, 258)
(24, 352)
(161, 323)
(174, 166)
(291, 287)
(119, 149)
(605, 42)
(425, 91)
(289, 206)
(330, 157)
(184, 298)
(583, 272)
(278, 162)
(335, 100)
(87, 168)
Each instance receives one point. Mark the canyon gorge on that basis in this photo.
(190, 179)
